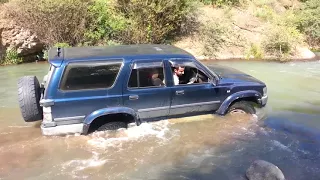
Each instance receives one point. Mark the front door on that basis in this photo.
(146, 91)
(195, 94)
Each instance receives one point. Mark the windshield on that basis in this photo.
(212, 72)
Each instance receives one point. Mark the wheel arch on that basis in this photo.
(105, 112)
(249, 95)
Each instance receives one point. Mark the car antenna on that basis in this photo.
(59, 51)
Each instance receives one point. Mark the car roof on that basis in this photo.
(94, 52)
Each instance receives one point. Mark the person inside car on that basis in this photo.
(156, 81)
(178, 71)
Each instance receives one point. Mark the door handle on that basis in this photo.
(133, 97)
(180, 92)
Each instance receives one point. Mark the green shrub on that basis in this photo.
(155, 21)
(266, 13)
(256, 51)
(217, 34)
(213, 36)
(281, 41)
(11, 57)
(106, 22)
(95, 22)
(309, 22)
(52, 20)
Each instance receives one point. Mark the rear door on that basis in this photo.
(86, 86)
(141, 93)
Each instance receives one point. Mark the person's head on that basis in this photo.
(179, 70)
(155, 74)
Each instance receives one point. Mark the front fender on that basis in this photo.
(106, 111)
(238, 95)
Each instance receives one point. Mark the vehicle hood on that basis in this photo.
(231, 75)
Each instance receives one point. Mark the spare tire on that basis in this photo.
(29, 94)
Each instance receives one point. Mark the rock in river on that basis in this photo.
(263, 170)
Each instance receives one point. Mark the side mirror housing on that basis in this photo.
(213, 82)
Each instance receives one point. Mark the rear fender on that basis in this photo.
(107, 111)
(238, 95)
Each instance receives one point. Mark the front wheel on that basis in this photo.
(241, 107)
(113, 126)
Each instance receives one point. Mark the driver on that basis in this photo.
(177, 72)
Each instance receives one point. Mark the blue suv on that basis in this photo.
(106, 88)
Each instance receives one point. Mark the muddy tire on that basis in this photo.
(242, 107)
(113, 126)
(29, 96)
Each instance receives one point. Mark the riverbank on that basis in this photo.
(245, 33)
(270, 59)
(277, 30)
(212, 60)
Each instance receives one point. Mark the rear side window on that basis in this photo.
(147, 77)
(82, 76)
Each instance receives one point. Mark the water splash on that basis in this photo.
(160, 130)
(280, 145)
(79, 165)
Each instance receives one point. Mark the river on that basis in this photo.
(286, 133)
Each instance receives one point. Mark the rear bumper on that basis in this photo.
(62, 129)
(263, 101)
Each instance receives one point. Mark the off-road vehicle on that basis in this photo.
(106, 88)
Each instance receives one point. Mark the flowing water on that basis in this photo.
(286, 133)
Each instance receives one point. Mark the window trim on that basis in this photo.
(138, 83)
(51, 72)
(100, 62)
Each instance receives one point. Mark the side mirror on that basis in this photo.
(213, 82)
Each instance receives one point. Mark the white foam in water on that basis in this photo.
(280, 145)
(158, 130)
(79, 165)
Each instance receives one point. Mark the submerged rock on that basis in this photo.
(263, 170)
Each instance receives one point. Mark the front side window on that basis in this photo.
(146, 77)
(187, 73)
(82, 76)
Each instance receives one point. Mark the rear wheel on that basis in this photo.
(113, 126)
(241, 107)
(29, 98)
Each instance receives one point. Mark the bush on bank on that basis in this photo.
(11, 57)
(309, 22)
(91, 22)
(52, 20)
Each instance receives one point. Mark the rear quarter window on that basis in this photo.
(90, 75)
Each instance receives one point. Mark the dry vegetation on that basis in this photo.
(207, 28)
(255, 29)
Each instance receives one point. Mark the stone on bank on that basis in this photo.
(15, 37)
